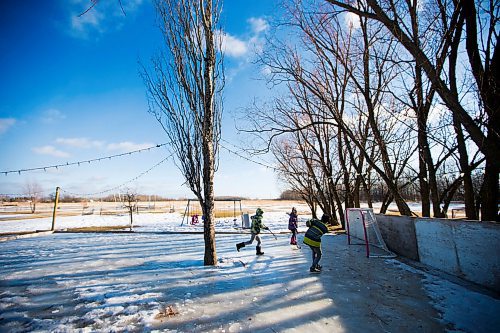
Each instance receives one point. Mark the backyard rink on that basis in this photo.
(155, 281)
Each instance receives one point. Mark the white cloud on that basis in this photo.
(80, 142)
(86, 19)
(352, 20)
(257, 41)
(240, 48)
(50, 150)
(5, 124)
(266, 70)
(258, 24)
(232, 46)
(131, 5)
(91, 19)
(52, 115)
(436, 113)
(257, 44)
(128, 146)
(97, 179)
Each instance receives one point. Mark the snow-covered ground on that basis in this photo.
(154, 281)
(172, 222)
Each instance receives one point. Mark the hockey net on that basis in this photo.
(362, 229)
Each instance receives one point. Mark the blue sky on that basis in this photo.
(71, 91)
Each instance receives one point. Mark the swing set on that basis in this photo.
(194, 211)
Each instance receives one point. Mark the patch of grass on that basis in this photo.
(16, 233)
(99, 229)
(217, 213)
(29, 216)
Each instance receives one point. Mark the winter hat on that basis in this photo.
(259, 211)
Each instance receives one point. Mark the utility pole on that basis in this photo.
(56, 201)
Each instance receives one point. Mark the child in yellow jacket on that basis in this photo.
(312, 238)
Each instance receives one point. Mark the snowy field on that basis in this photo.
(154, 281)
(275, 216)
(144, 222)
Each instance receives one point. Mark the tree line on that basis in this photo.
(383, 98)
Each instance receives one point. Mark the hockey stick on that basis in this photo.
(276, 238)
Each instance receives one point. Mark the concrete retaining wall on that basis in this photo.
(399, 235)
(468, 249)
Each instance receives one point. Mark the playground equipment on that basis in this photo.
(194, 210)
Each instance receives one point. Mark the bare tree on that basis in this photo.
(185, 95)
(33, 191)
(339, 78)
(129, 200)
(483, 52)
(427, 26)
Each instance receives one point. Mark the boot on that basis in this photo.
(239, 246)
(313, 269)
(258, 252)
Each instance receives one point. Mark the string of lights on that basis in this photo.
(232, 151)
(45, 168)
(57, 166)
(23, 195)
(260, 163)
(455, 173)
(246, 158)
(118, 186)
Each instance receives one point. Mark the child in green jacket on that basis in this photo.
(257, 225)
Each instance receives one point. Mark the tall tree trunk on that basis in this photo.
(341, 211)
(345, 172)
(424, 184)
(421, 122)
(386, 202)
(210, 257)
(470, 210)
(490, 190)
(488, 82)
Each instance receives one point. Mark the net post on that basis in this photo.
(369, 231)
(347, 225)
(366, 234)
(241, 214)
(185, 214)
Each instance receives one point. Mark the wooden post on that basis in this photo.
(56, 201)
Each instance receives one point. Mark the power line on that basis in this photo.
(57, 166)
